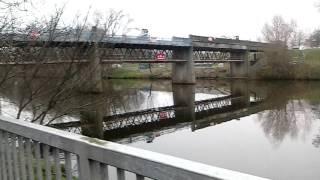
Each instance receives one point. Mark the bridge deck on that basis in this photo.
(197, 42)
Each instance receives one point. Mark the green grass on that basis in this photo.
(312, 63)
(312, 55)
(127, 73)
(309, 69)
(133, 72)
(306, 66)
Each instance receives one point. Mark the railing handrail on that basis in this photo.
(146, 163)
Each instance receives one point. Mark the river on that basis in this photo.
(268, 129)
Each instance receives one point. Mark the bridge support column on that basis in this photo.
(92, 118)
(183, 72)
(240, 69)
(240, 90)
(92, 76)
(95, 66)
(184, 98)
(91, 124)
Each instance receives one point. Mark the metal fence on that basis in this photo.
(33, 152)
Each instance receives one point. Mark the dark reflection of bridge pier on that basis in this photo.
(186, 112)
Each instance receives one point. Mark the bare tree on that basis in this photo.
(109, 23)
(8, 4)
(279, 31)
(62, 81)
(298, 38)
(314, 39)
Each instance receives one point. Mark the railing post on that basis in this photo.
(3, 172)
(83, 167)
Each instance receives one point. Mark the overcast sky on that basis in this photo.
(166, 18)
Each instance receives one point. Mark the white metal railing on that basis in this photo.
(29, 151)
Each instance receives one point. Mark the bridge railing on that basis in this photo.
(31, 151)
(176, 41)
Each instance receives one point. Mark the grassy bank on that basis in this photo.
(292, 64)
(279, 64)
(133, 71)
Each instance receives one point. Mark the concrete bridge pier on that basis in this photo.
(91, 77)
(240, 90)
(91, 123)
(240, 69)
(183, 72)
(92, 118)
(183, 99)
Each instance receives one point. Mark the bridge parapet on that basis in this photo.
(205, 42)
(198, 42)
(174, 41)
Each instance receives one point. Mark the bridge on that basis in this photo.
(185, 113)
(181, 52)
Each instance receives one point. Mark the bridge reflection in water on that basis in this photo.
(186, 112)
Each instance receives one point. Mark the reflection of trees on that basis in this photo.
(116, 99)
(289, 115)
(316, 140)
(292, 119)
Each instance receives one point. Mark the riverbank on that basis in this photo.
(289, 65)
(164, 72)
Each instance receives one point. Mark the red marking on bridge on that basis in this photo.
(163, 115)
(161, 56)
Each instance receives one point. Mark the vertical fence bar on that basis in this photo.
(15, 157)
(104, 172)
(95, 170)
(83, 167)
(57, 163)
(8, 153)
(139, 177)
(38, 160)
(68, 167)
(22, 158)
(46, 156)
(3, 158)
(29, 160)
(120, 174)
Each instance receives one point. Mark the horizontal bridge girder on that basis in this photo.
(151, 61)
(218, 61)
(227, 46)
(141, 61)
(146, 114)
(128, 55)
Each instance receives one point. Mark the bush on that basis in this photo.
(278, 64)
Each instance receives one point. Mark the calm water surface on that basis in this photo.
(268, 129)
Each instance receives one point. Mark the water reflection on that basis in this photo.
(290, 114)
(187, 110)
(292, 119)
(135, 112)
(285, 110)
